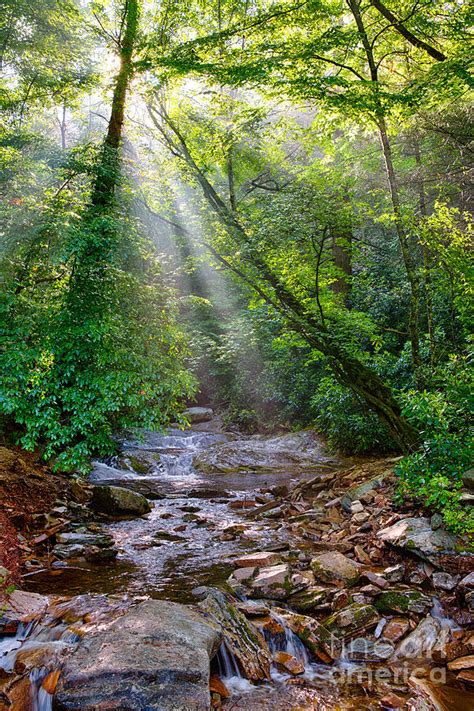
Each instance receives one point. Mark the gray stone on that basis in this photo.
(354, 494)
(272, 582)
(334, 567)
(403, 600)
(467, 581)
(468, 479)
(363, 649)
(199, 414)
(156, 656)
(430, 635)
(63, 551)
(352, 620)
(85, 539)
(444, 581)
(116, 501)
(395, 573)
(416, 536)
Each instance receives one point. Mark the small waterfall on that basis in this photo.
(41, 700)
(287, 642)
(229, 671)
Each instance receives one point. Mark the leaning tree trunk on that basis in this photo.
(347, 368)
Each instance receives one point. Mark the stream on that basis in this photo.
(199, 523)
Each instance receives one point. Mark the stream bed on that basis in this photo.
(200, 522)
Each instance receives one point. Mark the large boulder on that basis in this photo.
(334, 567)
(416, 535)
(294, 452)
(116, 501)
(431, 635)
(198, 414)
(156, 656)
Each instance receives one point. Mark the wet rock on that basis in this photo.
(273, 582)
(21, 606)
(40, 654)
(403, 601)
(333, 567)
(251, 608)
(155, 656)
(116, 501)
(96, 554)
(242, 639)
(296, 451)
(462, 663)
(444, 581)
(396, 629)
(285, 662)
(316, 637)
(415, 535)
(85, 539)
(362, 649)
(217, 686)
(430, 636)
(466, 676)
(64, 551)
(352, 620)
(198, 414)
(139, 461)
(309, 599)
(392, 701)
(263, 559)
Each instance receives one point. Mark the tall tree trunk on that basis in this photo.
(426, 256)
(89, 286)
(409, 262)
(341, 248)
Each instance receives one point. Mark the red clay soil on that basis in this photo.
(27, 488)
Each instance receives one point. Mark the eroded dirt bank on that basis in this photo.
(290, 580)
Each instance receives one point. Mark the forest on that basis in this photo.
(257, 209)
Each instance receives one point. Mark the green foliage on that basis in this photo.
(433, 475)
(347, 423)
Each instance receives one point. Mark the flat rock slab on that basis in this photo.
(417, 536)
(294, 452)
(156, 656)
(334, 567)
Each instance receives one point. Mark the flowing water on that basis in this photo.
(189, 539)
(184, 542)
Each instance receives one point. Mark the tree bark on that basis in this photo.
(410, 266)
(405, 32)
(347, 368)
